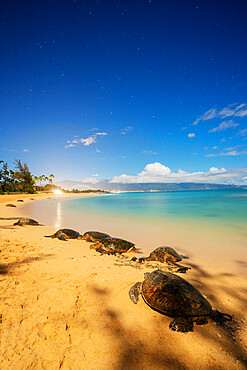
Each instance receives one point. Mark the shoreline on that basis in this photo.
(64, 305)
(207, 243)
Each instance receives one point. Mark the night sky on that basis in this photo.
(99, 89)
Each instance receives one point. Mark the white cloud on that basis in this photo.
(90, 180)
(69, 145)
(243, 132)
(211, 113)
(233, 153)
(224, 125)
(25, 150)
(233, 110)
(126, 130)
(214, 147)
(101, 133)
(191, 135)
(157, 172)
(148, 152)
(88, 141)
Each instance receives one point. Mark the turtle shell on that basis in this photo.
(26, 221)
(70, 234)
(162, 253)
(94, 236)
(173, 296)
(116, 245)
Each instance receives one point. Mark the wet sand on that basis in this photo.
(65, 306)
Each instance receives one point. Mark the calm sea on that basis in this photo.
(210, 223)
(217, 206)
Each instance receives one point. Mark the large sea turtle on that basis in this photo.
(168, 255)
(27, 221)
(10, 205)
(113, 245)
(64, 234)
(94, 236)
(173, 296)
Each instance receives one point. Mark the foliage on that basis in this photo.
(18, 180)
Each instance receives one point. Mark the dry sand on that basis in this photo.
(64, 306)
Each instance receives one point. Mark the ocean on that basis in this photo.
(201, 223)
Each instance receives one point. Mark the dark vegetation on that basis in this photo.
(20, 180)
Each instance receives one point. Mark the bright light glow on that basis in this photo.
(57, 191)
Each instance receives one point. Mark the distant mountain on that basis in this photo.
(109, 186)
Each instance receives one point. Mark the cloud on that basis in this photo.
(233, 110)
(224, 125)
(159, 173)
(211, 113)
(191, 135)
(101, 133)
(25, 150)
(243, 132)
(126, 130)
(233, 153)
(90, 180)
(148, 152)
(88, 141)
(69, 145)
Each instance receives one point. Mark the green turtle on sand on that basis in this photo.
(94, 236)
(64, 234)
(113, 245)
(168, 255)
(175, 297)
(27, 221)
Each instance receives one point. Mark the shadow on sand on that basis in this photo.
(6, 268)
(140, 347)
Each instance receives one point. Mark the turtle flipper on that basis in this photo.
(94, 246)
(220, 317)
(181, 324)
(134, 292)
(176, 267)
(62, 236)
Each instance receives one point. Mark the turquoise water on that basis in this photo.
(205, 225)
(217, 206)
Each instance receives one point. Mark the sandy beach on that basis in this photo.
(65, 306)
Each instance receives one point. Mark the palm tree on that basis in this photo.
(35, 179)
(40, 180)
(51, 179)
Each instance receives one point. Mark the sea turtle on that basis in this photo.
(94, 236)
(27, 221)
(64, 234)
(113, 245)
(168, 255)
(20, 200)
(175, 297)
(10, 205)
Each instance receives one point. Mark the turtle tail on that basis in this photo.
(220, 317)
(134, 292)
